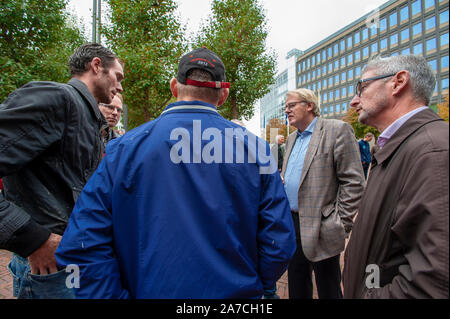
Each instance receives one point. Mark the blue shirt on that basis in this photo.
(295, 165)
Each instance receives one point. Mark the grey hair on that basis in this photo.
(422, 76)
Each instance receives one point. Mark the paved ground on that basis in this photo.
(6, 281)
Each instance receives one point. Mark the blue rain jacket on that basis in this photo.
(179, 208)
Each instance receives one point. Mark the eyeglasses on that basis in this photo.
(360, 88)
(291, 105)
(111, 107)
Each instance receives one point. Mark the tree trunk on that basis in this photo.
(234, 110)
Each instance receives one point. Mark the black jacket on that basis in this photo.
(50, 144)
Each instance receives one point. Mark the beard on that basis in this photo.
(368, 114)
(102, 91)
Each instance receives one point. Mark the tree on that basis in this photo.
(360, 129)
(149, 38)
(36, 40)
(236, 31)
(277, 127)
(443, 109)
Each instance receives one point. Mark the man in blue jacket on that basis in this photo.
(364, 149)
(189, 205)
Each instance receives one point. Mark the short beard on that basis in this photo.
(366, 116)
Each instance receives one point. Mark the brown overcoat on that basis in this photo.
(402, 227)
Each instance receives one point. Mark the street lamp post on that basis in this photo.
(96, 20)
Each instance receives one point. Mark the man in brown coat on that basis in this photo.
(399, 244)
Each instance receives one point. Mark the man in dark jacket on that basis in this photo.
(399, 244)
(50, 144)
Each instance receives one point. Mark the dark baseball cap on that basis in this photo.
(203, 59)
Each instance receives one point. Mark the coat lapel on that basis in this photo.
(312, 148)
(289, 146)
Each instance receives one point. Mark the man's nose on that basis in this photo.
(355, 101)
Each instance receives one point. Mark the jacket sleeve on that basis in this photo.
(31, 119)
(349, 173)
(88, 240)
(276, 233)
(421, 225)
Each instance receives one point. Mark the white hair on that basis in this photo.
(422, 76)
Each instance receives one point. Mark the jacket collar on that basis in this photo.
(87, 95)
(408, 128)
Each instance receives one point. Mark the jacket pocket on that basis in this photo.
(327, 211)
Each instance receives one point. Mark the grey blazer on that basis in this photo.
(330, 189)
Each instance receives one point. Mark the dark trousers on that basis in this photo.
(327, 273)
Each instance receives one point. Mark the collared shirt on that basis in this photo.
(391, 129)
(295, 165)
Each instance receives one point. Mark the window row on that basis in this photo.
(338, 108)
(342, 45)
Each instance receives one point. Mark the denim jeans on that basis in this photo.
(29, 286)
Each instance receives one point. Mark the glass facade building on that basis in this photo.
(332, 66)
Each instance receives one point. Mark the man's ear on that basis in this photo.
(400, 81)
(173, 87)
(96, 65)
(224, 96)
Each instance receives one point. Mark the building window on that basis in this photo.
(319, 85)
(318, 58)
(405, 51)
(430, 23)
(393, 20)
(349, 59)
(336, 49)
(416, 7)
(431, 44)
(344, 91)
(336, 64)
(342, 61)
(313, 74)
(313, 60)
(350, 74)
(443, 17)
(330, 95)
(349, 42)
(429, 3)
(324, 83)
(357, 38)
(444, 84)
(324, 55)
(324, 69)
(404, 14)
(342, 45)
(373, 31)
(365, 34)
(331, 109)
(325, 110)
(318, 72)
(350, 89)
(357, 55)
(358, 71)
(393, 39)
(374, 48)
(336, 79)
(330, 81)
(366, 52)
(344, 107)
(344, 76)
(417, 28)
(330, 53)
(444, 39)
(418, 49)
(309, 76)
(330, 67)
(433, 64)
(444, 62)
(324, 97)
(404, 35)
(382, 24)
(308, 63)
(299, 80)
(337, 93)
(383, 44)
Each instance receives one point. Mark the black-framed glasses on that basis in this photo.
(112, 107)
(291, 105)
(360, 88)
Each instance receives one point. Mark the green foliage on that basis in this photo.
(36, 40)
(150, 40)
(236, 31)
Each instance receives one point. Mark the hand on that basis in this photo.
(42, 261)
(282, 179)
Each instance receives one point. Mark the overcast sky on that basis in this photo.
(291, 23)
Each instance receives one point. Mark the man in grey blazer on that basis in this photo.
(324, 182)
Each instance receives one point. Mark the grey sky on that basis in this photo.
(292, 24)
